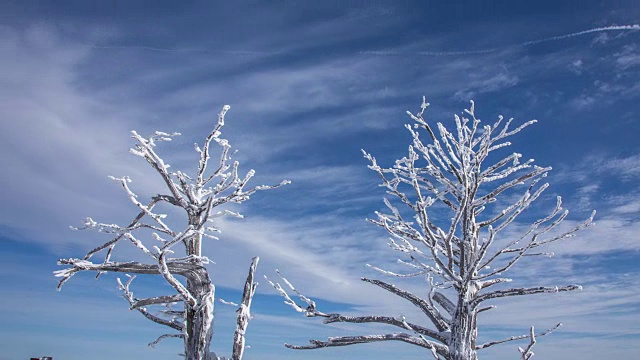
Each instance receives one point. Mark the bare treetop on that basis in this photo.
(454, 234)
(199, 196)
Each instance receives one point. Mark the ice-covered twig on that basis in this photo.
(526, 353)
(165, 336)
(309, 311)
(520, 337)
(231, 303)
(391, 273)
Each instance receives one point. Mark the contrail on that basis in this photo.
(523, 44)
(579, 33)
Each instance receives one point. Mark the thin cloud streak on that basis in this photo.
(507, 47)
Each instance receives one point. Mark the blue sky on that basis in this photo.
(309, 86)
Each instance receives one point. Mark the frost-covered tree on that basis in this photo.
(458, 197)
(188, 311)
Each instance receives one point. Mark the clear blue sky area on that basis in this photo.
(309, 84)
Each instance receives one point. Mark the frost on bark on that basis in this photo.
(450, 228)
(189, 310)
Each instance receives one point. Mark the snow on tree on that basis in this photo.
(451, 187)
(188, 311)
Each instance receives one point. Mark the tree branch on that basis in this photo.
(332, 318)
(513, 338)
(350, 340)
(128, 295)
(158, 300)
(444, 302)
(132, 267)
(161, 337)
(524, 291)
(432, 313)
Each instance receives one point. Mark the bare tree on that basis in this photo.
(188, 311)
(456, 237)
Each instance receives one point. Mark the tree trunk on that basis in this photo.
(463, 330)
(463, 323)
(199, 319)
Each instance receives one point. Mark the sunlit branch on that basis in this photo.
(513, 338)
(351, 340)
(524, 291)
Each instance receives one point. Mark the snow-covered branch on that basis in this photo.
(531, 335)
(311, 310)
(166, 299)
(432, 313)
(444, 302)
(128, 295)
(395, 321)
(526, 353)
(351, 340)
(524, 291)
(165, 336)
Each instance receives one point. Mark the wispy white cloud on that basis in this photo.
(627, 58)
(500, 81)
(577, 67)
(57, 142)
